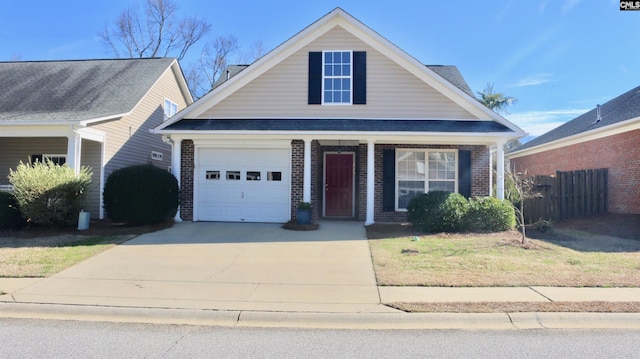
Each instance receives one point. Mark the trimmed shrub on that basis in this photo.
(10, 216)
(489, 214)
(437, 211)
(141, 194)
(48, 193)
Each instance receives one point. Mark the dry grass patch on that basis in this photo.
(479, 260)
(42, 257)
(519, 307)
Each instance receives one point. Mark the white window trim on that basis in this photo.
(172, 110)
(350, 80)
(426, 174)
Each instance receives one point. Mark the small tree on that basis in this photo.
(521, 188)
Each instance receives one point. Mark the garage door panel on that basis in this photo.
(242, 185)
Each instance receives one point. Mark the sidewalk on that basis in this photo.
(346, 316)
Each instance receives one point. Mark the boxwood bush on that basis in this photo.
(437, 211)
(10, 216)
(450, 212)
(141, 194)
(48, 193)
(489, 214)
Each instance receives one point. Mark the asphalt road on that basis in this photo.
(27, 338)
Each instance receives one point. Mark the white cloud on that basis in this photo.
(535, 123)
(534, 80)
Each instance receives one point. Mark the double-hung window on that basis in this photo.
(337, 71)
(170, 108)
(421, 171)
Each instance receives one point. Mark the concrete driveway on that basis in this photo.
(224, 266)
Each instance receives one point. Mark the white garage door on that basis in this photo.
(243, 185)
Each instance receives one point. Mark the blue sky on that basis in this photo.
(559, 58)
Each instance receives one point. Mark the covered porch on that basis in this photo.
(75, 147)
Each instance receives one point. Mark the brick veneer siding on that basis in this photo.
(186, 180)
(619, 153)
(297, 174)
(297, 178)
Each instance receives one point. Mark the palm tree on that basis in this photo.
(495, 101)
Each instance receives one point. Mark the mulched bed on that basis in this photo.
(295, 226)
(96, 228)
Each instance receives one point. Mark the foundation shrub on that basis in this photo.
(141, 194)
(437, 211)
(10, 215)
(489, 214)
(48, 193)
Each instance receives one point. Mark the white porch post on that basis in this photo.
(500, 170)
(176, 161)
(74, 143)
(306, 179)
(370, 182)
(491, 171)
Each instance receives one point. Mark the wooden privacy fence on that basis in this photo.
(568, 195)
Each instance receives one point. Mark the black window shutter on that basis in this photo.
(464, 173)
(315, 78)
(389, 180)
(359, 78)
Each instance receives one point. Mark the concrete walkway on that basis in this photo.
(261, 275)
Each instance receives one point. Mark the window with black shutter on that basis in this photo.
(337, 78)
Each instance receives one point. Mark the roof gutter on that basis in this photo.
(624, 126)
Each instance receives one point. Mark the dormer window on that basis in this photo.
(336, 76)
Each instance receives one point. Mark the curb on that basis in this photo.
(260, 319)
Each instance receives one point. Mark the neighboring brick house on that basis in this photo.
(605, 137)
(337, 116)
(95, 113)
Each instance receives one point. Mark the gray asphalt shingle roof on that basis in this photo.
(53, 91)
(367, 125)
(621, 108)
(452, 74)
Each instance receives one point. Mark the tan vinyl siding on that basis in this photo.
(128, 138)
(91, 154)
(14, 150)
(392, 91)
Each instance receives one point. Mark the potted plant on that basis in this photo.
(303, 214)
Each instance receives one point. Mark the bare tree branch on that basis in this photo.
(524, 188)
(213, 60)
(159, 31)
(255, 52)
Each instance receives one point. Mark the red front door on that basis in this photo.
(338, 186)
